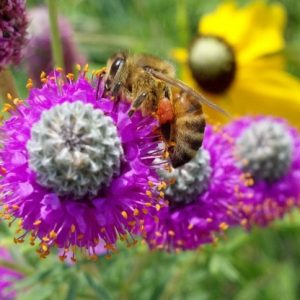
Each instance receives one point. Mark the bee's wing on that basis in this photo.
(182, 86)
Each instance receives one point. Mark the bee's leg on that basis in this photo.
(100, 74)
(137, 103)
(167, 92)
(115, 89)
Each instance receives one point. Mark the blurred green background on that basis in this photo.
(261, 265)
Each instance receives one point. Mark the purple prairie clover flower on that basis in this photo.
(76, 169)
(13, 24)
(201, 196)
(7, 276)
(38, 51)
(267, 149)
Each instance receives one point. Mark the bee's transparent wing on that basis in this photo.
(182, 86)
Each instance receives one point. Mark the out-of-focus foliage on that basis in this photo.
(261, 265)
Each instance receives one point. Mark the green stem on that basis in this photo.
(7, 86)
(180, 272)
(142, 259)
(182, 22)
(55, 37)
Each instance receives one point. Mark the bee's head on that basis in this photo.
(115, 69)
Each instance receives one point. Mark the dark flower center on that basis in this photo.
(188, 181)
(212, 63)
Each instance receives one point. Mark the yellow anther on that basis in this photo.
(162, 186)
(132, 223)
(18, 101)
(86, 68)
(44, 247)
(43, 75)
(59, 69)
(15, 207)
(191, 226)
(158, 207)
(171, 233)
(29, 84)
(62, 257)
(19, 230)
(124, 214)
(93, 257)
(38, 222)
(244, 222)
(145, 211)
(148, 193)
(158, 234)
(166, 155)
(53, 234)
(148, 204)
(70, 76)
(150, 183)
(9, 96)
(78, 67)
(100, 71)
(223, 226)
(73, 228)
(136, 212)
(45, 239)
(7, 107)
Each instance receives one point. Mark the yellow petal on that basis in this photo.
(224, 22)
(271, 92)
(265, 31)
(253, 31)
(180, 55)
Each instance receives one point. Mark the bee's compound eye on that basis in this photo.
(116, 66)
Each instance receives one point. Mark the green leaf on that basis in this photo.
(73, 287)
(221, 265)
(99, 289)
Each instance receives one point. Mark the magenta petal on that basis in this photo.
(19, 159)
(51, 200)
(25, 189)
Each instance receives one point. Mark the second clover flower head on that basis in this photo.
(202, 197)
(76, 169)
(268, 150)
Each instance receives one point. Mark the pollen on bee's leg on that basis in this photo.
(165, 111)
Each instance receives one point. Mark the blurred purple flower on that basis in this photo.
(268, 150)
(13, 23)
(201, 200)
(77, 169)
(7, 277)
(38, 52)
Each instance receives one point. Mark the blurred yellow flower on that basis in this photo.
(236, 60)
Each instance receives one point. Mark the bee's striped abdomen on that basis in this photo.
(188, 138)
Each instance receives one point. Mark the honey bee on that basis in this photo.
(149, 84)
